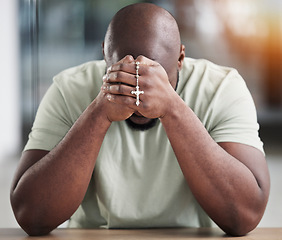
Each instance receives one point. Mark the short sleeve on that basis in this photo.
(51, 122)
(234, 117)
(69, 95)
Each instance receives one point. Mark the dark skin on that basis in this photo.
(229, 180)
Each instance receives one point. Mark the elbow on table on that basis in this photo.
(33, 227)
(33, 224)
(36, 230)
(237, 231)
(240, 226)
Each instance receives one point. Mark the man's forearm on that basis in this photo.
(51, 189)
(226, 188)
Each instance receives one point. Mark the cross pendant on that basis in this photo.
(137, 93)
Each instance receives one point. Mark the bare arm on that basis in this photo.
(48, 187)
(229, 180)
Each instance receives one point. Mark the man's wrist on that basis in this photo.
(98, 115)
(172, 108)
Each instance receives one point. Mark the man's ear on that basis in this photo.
(181, 57)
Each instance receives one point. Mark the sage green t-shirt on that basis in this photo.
(137, 181)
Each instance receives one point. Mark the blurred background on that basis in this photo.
(40, 38)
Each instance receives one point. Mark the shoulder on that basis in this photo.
(202, 79)
(203, 69)
(82, 73)
(82, 82)
(75, 88)
(220, 98)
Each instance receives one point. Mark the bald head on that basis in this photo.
(143, 29)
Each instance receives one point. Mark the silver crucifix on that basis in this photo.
(137, 92)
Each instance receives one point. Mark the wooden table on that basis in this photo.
(136, 234)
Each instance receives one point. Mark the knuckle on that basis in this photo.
(119, 89)
(146, 105)
(121, 66)
(127, 101)
(109, 97)
(150, 70)
(146, 70)
(140, 58)
(128, 58)
(108, 77)
(143, 84)
(118, 75)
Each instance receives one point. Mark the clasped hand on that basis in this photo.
(120, 81)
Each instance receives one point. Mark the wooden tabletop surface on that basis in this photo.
(136, 234)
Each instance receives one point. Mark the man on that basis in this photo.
(160, 140)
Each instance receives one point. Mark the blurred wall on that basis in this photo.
(9, 90)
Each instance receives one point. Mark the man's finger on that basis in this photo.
(123, 100)
(123, 67)
(129, 66)
(120, 77)
(126, 65)
(144, 61)
(118, 89)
